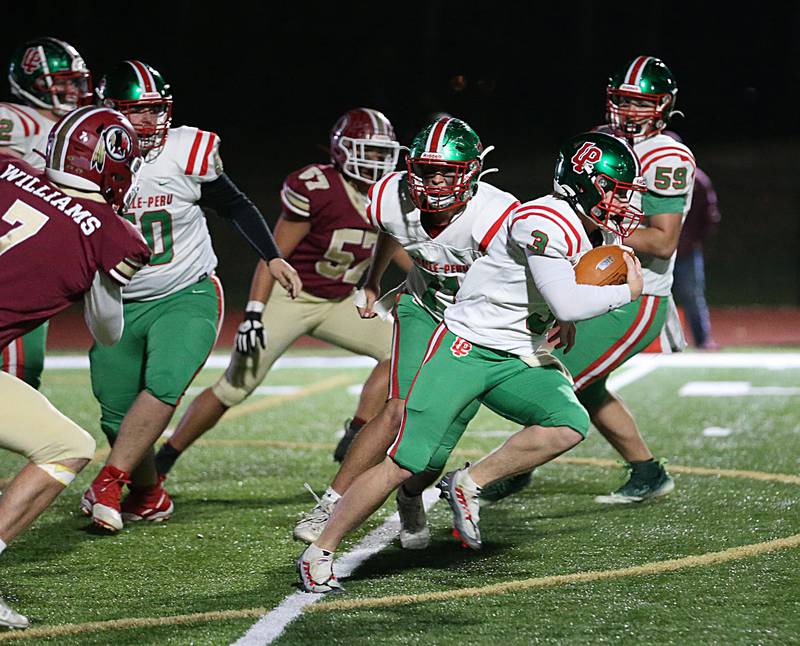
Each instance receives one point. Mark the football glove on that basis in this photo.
(251, 332)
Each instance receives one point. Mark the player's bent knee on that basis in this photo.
(230, 395)
(73, 444)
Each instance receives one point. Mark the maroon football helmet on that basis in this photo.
(363, 145)
(95, 149)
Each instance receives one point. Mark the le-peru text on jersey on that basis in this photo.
(151, 201)
(444, 268)
(33, 185)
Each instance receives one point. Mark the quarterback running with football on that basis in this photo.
(325, 234)
(61, 241)
(50, 79)
(444, 216)
(173, 307)
(489, 347)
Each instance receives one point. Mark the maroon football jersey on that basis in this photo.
(52, 244)
(334, 255)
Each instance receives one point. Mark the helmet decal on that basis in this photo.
(117, 143)
(98, 161)
(634, 74)
(32, 60)
(586, 157)
(433, 146)
(63, 131)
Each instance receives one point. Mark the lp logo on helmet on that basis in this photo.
(31, 60)
(586, 157)
(460, 347)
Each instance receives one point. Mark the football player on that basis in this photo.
(444, 216)
(140, 380)
(640, 101)
(324, 232)
(50, 79)
(61, 241)
(489, 347)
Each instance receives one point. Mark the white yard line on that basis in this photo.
(271, 626)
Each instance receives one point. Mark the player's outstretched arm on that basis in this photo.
(384, 250)
(102, 309)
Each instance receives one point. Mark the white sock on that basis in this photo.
(314, 552)
(468, 482)
(3, 546)
(331, 495)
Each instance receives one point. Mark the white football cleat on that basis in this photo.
(10, 618)
(414, 531)
(315, 568)
(462, 495)
(310, 526)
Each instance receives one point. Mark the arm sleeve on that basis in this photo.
(555, 280)
(224, 197)
(102, 309)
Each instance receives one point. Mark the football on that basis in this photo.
(602, 265)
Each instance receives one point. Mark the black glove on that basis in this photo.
(251, 332)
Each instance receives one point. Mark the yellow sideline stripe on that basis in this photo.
(67, 630)
(655, 567)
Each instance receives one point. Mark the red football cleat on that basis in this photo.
(152, 503)
(101, 499)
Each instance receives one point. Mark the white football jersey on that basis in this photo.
(25, 131)
(498, 305)
(167, 214)
(440, 263)
(668, 167)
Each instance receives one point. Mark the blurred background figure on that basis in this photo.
(689, 277)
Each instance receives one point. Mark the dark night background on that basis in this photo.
(272, 78)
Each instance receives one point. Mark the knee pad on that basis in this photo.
(228, 394)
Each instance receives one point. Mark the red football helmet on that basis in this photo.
(363, 145)
(96, 149)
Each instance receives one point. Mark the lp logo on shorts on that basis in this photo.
(460, 347)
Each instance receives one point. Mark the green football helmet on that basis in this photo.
(640, 98)
(450, 150)
(141, 94)
(49, 73)
(598, 175)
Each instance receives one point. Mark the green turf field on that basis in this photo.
(228, 550)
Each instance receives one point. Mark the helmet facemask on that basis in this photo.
(151, 118)
(460, 183)
(615, 210)
(367, 160)
(635, 115)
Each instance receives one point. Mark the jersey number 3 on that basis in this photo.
(31, 220)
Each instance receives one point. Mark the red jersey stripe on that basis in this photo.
(653, 160)
(380, 198)
(22, 117)
(547, 216)
(492, 232)
(677, 149)
(24, 111)
(193, 153)
(563, 218)
(209, 147)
